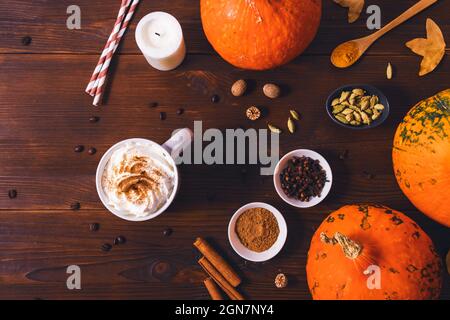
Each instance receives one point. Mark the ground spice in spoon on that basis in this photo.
(345, 54)
(257, 229)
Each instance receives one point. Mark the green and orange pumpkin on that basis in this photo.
(421, 156)
(354, 239)
(260, 34)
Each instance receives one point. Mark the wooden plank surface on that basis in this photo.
(44, 114)
(45, 22)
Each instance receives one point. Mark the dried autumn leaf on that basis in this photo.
(432, 49)
(354, 8)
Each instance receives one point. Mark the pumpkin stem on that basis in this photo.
(351, 249)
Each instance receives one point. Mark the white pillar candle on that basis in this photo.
(160, 38)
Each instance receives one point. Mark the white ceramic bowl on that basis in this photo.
(282, 164)
(248, 254)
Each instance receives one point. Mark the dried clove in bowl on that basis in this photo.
(303, 178)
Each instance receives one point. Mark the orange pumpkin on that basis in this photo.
(359, 245)
(421, 156)
(260, 34)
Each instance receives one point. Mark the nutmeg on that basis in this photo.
(253, 113)
(239, 88)
(271, 90)
(281, 281)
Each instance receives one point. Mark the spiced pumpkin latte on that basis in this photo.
(138, 179)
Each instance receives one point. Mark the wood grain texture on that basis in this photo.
(45, 22)
(44, 114)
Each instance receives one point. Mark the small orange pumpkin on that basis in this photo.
(260, 34)
(421, 156)
(358, 245)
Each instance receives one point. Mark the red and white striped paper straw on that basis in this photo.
(99, 85)
(120, 16)
(96, 84)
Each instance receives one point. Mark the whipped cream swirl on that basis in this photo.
(138, 179)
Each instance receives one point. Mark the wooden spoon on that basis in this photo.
(347, 53)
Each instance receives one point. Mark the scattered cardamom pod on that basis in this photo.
(365, 117)
(291, 125)
(295, 114)
(365, 104)
(347, 111)
(352, 99)
(378, 107)
(341, 118)
(357, 116)
(350, 117)
(358, 92)
(373, 101)
(376, 115)
(274, 129)
(344, 96)
(338, 108)
(389, 71)
(335, 102)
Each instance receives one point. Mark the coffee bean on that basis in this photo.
(75, 206)
(94, 227)
(12, 194)
(162, 115)
(167, 232)
(26, 41)
(92, 151)
(215, 98)
(180, 111)
(79, 148)
(119, 240)
(106, 247)
(94, 119)
(153, 104)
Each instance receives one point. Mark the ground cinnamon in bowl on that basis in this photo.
(257, 229)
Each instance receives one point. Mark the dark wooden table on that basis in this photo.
(44, 113)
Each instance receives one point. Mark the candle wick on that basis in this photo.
(159, 35)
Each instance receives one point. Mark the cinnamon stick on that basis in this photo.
(219, 279)
(213, 289)
(217, 261)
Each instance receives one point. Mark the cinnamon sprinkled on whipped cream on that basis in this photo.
(138, 179)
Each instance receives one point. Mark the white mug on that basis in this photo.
(170, 149)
